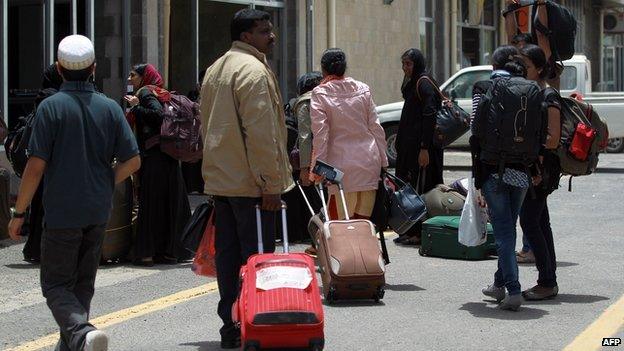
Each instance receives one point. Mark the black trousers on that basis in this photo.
(535, 223)
(69, 262)
(236, 239)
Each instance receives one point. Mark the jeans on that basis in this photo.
(69, 262)
(504, 202)
(535, 223)
(236, 239)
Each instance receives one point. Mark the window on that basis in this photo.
(426, 31)
(461, 87)
(477, 37)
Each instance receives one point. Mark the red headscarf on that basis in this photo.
(151, 76)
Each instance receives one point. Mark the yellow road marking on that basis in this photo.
(126, 314)
(609, 322)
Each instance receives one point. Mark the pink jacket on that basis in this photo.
(347, 134)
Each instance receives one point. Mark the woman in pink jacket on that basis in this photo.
(347, 134)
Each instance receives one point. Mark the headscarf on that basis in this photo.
(51, 78)
(151, 76)
(420, 66)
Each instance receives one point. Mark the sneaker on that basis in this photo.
(540, 293)
(230, 337)
(96, 340)
(511, 302)
(493, 291)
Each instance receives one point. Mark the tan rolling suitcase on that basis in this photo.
(350, 259)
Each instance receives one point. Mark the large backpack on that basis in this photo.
(180, 135)
(583, 136)
(16, 143)
(510, 122)
(561, 30)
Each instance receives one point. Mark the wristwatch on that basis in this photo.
(15, 214)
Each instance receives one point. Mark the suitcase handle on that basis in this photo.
(342, 195)
(284, 229)
(281, 261)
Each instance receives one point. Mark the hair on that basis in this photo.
(245, 20)
(525, 37)
(508, 58)
(140, 68)
(334, 61)
(308, 81)
(417, 57)
(538, 57)
(81, 75)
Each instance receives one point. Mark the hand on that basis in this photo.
(536, 180)
(304, 177)
(316, 179)
(481, 199)
(15, 228)
(271, 202)
(423, 158)
(131, 100)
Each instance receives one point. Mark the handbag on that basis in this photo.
(204, 262)
(194, 228)
(451, 120)
(406, 205)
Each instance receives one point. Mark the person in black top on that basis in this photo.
(418, 161)
(504, 189)
(534, 216)
(163, 203)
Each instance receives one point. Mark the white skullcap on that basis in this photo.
(75, 52)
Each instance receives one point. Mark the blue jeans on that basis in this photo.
(504, 202)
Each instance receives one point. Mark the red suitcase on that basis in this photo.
(279, 305)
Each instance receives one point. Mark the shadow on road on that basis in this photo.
(570, 298)
(483, 310)
(566, 264)
(24, 265)
(403, 287)
(204, 345)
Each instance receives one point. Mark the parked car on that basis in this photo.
(576, 78)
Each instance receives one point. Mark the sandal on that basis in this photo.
(525, 257)
(411, 241)
(311, 251)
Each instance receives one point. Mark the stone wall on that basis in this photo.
(373, 36)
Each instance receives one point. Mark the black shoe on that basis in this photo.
(400, 238)
(164, 259)
(230, 337)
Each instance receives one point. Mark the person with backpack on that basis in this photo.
(76, 136)
(507, 130)
(417, 157)
(553, 28)
(534, 216)
(163, 203)
(347, 134)
(245, 160)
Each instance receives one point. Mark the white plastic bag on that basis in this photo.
(473, 221)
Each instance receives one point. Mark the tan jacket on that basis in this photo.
(302, 111)
(243, 127)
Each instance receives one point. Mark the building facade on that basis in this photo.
(182, 38)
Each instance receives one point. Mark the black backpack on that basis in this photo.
(561, 31)
(16, 143)
(510, 122)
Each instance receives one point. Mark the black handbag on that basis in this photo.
(451, 120)
(196, 225)
(406, 205)
(380, 214)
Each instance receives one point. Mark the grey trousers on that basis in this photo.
(69, 262)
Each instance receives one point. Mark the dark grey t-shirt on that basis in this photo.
(79, 132)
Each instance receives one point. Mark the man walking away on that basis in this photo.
(245, 161)
(77, 134)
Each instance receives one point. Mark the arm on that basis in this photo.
(429, 101)
(149, 108)
(378, 133)
(554, 128)
(320, 130)
(260, 123)
(511, 25)
(35, 167)
(542, 38)
(125, 169)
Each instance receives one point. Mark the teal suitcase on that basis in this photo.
(439, 239)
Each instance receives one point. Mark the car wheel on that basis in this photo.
(616, 145)
(391, 133)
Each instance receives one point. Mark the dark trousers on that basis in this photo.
(535, 223)
(69, 262)
(236, 239)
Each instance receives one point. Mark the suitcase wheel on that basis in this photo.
(317, 344)
(422, 252)
(251, 346)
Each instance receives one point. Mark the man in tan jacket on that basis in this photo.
(245, 161)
